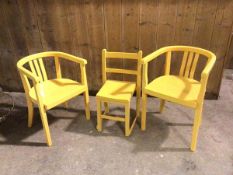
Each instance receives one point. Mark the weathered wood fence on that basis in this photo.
(85, 27)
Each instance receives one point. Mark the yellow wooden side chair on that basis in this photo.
(50, 93)
(183, 88)
(119, 92)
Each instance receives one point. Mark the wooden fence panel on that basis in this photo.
(85, 27)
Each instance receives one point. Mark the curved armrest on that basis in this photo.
(146, 60)
(205, 73)
(28, 74)
(153, 55)
(71, 58)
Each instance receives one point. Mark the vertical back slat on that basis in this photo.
(104, 65)
(187, 69)
(194, 65)
(139, 66)
(168, 63)
(58, 67)
(38, 69)
(183, 64)
(43, 69)
(32, 68)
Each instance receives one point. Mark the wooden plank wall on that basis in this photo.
(84, 27)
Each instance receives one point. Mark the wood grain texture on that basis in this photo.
(95, 28)
(148, 30)
(113, 33)
(85, 27)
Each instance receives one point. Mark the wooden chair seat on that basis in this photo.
(175, 89)
(117, 91)
(57, 91)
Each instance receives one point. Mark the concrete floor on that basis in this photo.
(79, 149)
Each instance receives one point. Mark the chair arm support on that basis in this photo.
(83, 74)
(205, 75)
(153, 55)
(145, 62)
(28, 74)
(72, 58)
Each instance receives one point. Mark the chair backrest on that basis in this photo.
(36, 69)
(190, 58)
(121, 55)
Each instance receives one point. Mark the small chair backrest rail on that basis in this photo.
(121, 55)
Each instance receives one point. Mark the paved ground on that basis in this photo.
(79, 149)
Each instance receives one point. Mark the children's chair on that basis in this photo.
(183, 88)
(50, 93)
(119, 92)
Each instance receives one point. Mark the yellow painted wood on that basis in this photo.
(43, 114)
(175, 89)
(43, 71)
(30, 112)
(57, 67)
(196, 125)
(44, 119)
(104, 64)
(106, 108)
(143, 117)
(121, 55)
(50, 93)
(188, 66)
(119, 92)
(87, 105)
(138, 85)
(194, 65)
(121, 71)
(115, 118)
(181, 89)
(38, 69)
(99, 118)
(168, 63)
(162, 103)
(86, 92)
(32, 68)
(127, 119)
(183, 64)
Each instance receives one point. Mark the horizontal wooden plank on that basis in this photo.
(124, 55)
(121, 71)
(114, 118)
(85, 27)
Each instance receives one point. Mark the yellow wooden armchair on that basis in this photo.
(50, 93)
(119, 92)
(183, 88)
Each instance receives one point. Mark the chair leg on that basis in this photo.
(138, 106)
(87, 105)
(127, 119)
(99, 119)
(106, 108)
(198, 113)
(200, 120)
(143, 118)
(45, 125)
(30, 113)
(162, 103)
